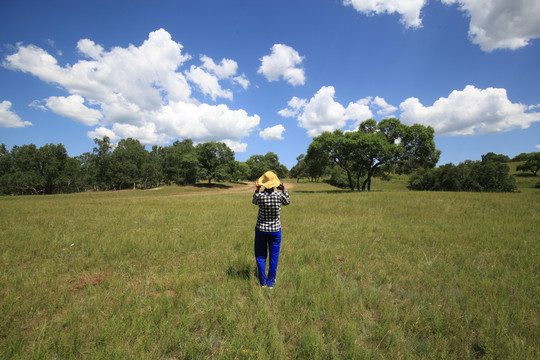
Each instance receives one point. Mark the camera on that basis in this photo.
(280, 187)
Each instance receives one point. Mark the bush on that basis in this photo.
(338, 177)
(479, 176)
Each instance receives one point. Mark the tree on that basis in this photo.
(241, 171)
(129, 156)
(180, 164)
(479, 176)
(216, 161)
(521, 157)
(51, 162)
(376, 149)
(101, 164)
(259, 164)
(300, 169)
(25, 178)
(336, 147)
(151, 170)
(490, 156)
(532, 163)
(72, 179)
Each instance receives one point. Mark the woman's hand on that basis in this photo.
(257, 185)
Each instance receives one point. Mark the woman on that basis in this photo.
(268, 228)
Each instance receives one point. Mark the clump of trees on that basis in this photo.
(532, 162)
(126, 165)
(353, 158)
(490, 174)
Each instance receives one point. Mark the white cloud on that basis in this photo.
(295, 105)
(283, 63)
(235, 146)
(101, 132)
(207, 77)
(322, 113)
(383, 106)
(141, 91)
(8, 118)
(226, 68)
(501, 24)
(471, 111)
(208, 83)
(358, 111)
(409, 9)
(273, 133)
(495, 24)
(241, 80)
(203, 122)
(89, 48)
(538, 147)
(73, 107)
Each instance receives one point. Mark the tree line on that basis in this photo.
(48, 169)
(348, 159)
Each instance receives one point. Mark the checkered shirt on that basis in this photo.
(268, 219)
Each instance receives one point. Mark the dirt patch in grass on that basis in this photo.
(88, 280)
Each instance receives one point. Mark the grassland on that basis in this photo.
(169, 274)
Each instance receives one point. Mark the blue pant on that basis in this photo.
(267, 242)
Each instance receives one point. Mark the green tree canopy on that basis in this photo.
(259, 164)
(216, 161)
(375, 149)
(479, 176)
(532, 163)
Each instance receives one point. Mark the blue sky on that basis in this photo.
(269, 75)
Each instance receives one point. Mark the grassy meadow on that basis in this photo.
(169, 274)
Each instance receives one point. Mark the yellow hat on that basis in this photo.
(269, 180)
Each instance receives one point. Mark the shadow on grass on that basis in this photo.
(213, 186)
(332, 191)
(525, 175)
(242, 271)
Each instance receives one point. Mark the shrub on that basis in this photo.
(479, 176)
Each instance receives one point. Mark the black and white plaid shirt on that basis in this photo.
(270, 209)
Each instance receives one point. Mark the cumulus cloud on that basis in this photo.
(208, 83)
(89, 48)
(501, 24)
(383, 107)
(225, 69)
(322, 113)
(494, 24)
(409, 10)
(273, 133)
(8, 118)
(73, 107)
(141, 91)
(470, 111)
(235, 146)
(208, 75)
(101, 132)
(284, 62)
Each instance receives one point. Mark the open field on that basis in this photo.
(169, 273)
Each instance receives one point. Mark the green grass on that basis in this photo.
(169, 274)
